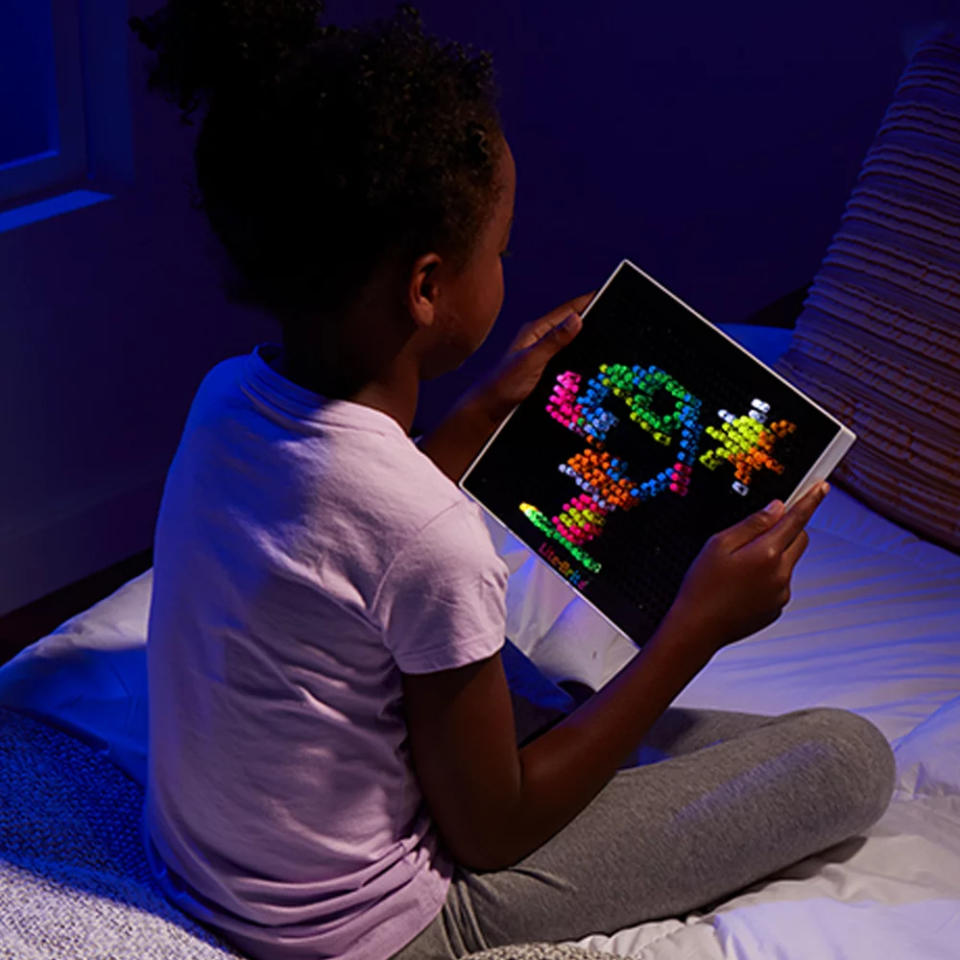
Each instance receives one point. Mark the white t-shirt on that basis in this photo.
(306, 553)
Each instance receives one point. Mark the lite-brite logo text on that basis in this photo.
(744, 443)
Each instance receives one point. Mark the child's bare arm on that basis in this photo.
(493, 803)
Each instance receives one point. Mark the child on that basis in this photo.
(334, 770)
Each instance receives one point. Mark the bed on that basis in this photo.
(874, 627)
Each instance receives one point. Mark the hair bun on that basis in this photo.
(206, 47)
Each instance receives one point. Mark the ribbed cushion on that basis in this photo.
(878, 341)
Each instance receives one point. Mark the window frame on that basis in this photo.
(88, 112)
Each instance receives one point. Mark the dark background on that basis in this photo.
(712, 144)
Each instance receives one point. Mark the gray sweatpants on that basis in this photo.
(717, 801)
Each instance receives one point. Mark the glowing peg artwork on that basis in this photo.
(746, 443)
(545, 527)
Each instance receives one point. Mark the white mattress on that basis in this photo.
(874, 626)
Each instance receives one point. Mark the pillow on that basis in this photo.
(74, 878)
(89, 677)
(878, 341)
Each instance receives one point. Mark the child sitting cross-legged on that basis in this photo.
(334, 766)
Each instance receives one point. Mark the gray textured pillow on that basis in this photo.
(543, 951)
(74, 880)
(878, 342)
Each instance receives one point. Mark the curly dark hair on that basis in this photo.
(324, 150)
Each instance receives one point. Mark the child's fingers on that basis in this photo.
(553, 337)
(579, 304)
(537, 329)
(778, 528)
(564, 331)
(797, 517)
(794, 552)
(748, 529)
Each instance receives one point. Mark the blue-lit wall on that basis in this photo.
(713, 144)
(25, 67)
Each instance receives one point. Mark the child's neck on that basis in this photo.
(363, 367)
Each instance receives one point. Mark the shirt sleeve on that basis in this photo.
(442, 601)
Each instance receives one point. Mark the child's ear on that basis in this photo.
(422, 292)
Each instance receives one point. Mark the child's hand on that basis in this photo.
(531, 350)
(740, 581)
(462, 434)
(535, 331)
(494, 804)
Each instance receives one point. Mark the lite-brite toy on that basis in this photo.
(646, 435)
